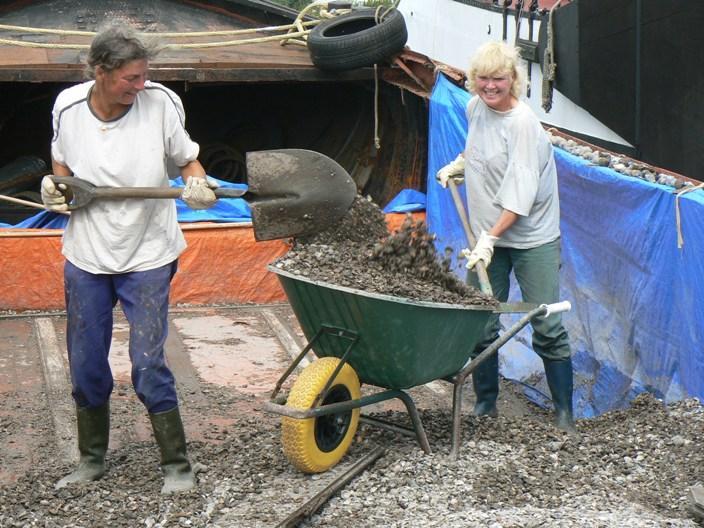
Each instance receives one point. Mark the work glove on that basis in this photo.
(53, 197)
(198, 192)
(454, 169)
(483, 250)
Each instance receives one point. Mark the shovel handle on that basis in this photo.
(484, 283)
(81, 192)
(158, 192)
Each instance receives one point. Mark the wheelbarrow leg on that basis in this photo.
(460, 378)
(412, 412)
(456, 419)
(415, 418)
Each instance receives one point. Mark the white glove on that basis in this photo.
(454, 169)
(483, 251)
(198, 192)
(52, 197)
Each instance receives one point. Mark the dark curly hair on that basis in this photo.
(115, 46)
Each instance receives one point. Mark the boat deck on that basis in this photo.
(226, 361)
(27, 54)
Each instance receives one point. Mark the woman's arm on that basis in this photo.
(59, 169)
(506, 219)
(192, 168)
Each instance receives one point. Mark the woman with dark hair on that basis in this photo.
(120, 130)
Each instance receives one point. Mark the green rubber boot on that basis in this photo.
(168, 431)
(93, 436)
(560, 381)
(485, 380)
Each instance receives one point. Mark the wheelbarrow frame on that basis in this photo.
(277, 402)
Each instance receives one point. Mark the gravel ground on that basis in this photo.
(628, 468)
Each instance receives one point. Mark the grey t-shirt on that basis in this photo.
(509, 164)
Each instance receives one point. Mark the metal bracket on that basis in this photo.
(529, 50)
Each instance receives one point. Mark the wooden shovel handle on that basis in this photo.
(117, 193)
(484, 283)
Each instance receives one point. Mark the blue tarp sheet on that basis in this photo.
(637, 319)
(224, 210)
(406, 201)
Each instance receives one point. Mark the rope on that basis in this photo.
(323, 13)
(377, 141)
(519, 5)
(549, 62)
(379, 16)
(222, 32)
(683, 191)
(302, 31)
(174, 46)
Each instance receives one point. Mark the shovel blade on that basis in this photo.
(296, 192)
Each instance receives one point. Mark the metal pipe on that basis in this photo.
(341, 407)
(333, 408)
(383, 424)
(312, 505)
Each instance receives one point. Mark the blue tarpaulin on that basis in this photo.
(406, 201)
(224, 210)
(637, 319)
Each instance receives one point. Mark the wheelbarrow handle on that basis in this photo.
(558, 307)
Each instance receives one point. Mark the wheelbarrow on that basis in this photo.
(384, 341)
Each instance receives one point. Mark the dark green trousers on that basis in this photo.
(537, 272)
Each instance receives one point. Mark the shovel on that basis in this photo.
(291, 192)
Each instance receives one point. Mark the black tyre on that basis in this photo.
(356, 40)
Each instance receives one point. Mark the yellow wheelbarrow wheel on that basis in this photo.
(314, 445)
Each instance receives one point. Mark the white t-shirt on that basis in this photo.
(509, 164)
(118, 236)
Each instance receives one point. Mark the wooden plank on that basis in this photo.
(157, 16)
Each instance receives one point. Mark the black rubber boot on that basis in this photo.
(93, 436)
(168, 431)
(560, 381)
(485, 379)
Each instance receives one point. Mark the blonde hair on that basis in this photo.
(497, 58)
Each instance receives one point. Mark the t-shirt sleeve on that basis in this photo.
(180, 148)
(519, 187)
(57, 147)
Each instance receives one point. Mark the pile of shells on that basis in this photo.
(360, 253)
(620, 164)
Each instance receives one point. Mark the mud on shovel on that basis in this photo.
(291, 192)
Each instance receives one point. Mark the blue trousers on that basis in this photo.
(144, 297)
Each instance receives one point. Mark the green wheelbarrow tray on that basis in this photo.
(401, 343)
(392, 342)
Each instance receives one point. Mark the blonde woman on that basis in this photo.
(511, 182)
